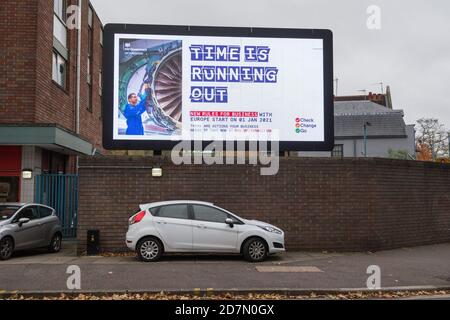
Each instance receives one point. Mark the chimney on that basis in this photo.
(388, 97)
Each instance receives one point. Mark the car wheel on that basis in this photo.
(55, 244)
(6, 248)
(149, 249)
(255, 250)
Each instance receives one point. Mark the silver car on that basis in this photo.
(26, 226)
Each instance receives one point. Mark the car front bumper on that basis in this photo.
(276, 243)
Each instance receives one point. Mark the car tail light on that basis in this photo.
(137, 217)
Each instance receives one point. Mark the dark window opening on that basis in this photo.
(9, 189)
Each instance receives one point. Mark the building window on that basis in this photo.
(101, 37)
(90, 56)
(100, 91)
(100, 82)
(59, 22)
(59, 8)
(101, 107)
(60, 52)
(338, 151)
(89, 98)
(59, 69)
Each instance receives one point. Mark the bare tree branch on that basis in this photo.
(431, 134)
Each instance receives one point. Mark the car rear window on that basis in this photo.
(6, 212)
(175, 211)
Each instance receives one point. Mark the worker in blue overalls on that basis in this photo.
(133, 112)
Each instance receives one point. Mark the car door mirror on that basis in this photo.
(230, 222)
(23, 220)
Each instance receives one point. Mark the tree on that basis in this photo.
(423, 152)
(432, 139)
(399, 154)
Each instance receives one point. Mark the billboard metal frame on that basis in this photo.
(108, 78)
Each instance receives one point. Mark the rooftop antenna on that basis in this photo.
(364, 91)
(381, 84)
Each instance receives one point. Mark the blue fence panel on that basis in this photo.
(60, 191)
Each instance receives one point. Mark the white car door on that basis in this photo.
(174, 226)
(211, 233)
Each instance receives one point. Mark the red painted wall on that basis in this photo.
(10, 161)
(11, 166)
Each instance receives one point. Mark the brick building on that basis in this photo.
(47, 117)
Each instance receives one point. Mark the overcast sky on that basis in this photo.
(411, 51)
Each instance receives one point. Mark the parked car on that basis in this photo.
(194, 226)
(26, 226)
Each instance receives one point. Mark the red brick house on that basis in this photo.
(48, 115)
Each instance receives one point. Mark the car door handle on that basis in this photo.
(161, 222)
(200, 226)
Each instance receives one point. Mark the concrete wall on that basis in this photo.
(322, 204)
(375, 147)
(31, 159)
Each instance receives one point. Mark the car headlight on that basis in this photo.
(271, 229)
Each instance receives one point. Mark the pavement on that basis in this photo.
(418, 268)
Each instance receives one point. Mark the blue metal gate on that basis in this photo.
(60, 191)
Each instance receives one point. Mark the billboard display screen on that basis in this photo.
(165, 84)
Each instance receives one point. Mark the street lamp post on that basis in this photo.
(448, 140)
(366, 124)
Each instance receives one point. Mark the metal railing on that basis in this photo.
(60, 191)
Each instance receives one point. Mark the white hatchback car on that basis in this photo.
(194, 226)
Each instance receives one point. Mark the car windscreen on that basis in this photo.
(7, 212)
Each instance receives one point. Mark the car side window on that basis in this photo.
(176, 211)
(204, 213)
(45, 212)
(29, 212)
(154, 211)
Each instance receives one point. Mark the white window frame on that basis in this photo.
(57, 76)
(59, 23)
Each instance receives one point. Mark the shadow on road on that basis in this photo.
(208, 258)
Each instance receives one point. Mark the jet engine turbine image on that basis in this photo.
(152, 69)
(167, 86)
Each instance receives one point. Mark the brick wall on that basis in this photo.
(321, 204)
(18, 41)
(90, 121)
(28, 94)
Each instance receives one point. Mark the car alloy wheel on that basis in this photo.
(55, 244)
(149, 250)
(6, 248)
(255, 250)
